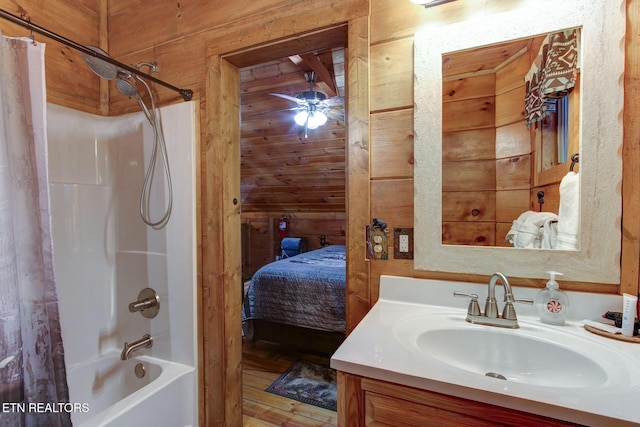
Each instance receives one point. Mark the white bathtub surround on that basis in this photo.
(120, 398)
(389, 345)
(105, 255)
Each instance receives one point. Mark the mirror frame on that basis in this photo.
(601, 132)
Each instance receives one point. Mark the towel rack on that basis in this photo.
(575, 158)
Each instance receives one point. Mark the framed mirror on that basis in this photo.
(598, 131)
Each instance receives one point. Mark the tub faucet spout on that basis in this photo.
(146, 341)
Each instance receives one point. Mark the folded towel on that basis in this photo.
(569, 212)
(533, 230)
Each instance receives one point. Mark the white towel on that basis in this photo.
(549, 236)
(569, 212)
(533, 230)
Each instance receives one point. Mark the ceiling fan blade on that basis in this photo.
(274, 111)
(336, 100)
(287, 97)
(335, 115)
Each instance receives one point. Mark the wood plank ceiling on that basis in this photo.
(475, 62)
(281, 169)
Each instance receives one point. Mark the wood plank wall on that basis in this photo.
(468, 171)
(262, 239)
(177, 35)
(513, 148)
(283, 171)
(490, 158)
(69, 81)
(180, 52)
(391, 68)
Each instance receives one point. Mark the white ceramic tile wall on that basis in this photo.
(104, 253)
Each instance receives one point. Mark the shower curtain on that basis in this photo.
(33, 386)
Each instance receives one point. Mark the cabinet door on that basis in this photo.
(382, 411)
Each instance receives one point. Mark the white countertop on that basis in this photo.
(374, 350)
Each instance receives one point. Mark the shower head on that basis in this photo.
(99, 66)
(127, 87)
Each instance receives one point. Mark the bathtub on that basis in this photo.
(107, 392)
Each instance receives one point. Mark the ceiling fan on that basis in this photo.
(314, 108)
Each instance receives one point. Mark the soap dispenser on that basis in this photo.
(551, 302)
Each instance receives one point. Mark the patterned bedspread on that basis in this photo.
(306, 290)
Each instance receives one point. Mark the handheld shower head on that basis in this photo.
(127, 87)
(99, 66)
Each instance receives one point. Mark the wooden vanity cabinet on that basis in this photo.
(373, 403)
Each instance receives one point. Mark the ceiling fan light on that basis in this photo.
(320, 117)
(301, 118)
(316, 119)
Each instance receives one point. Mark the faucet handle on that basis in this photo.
(509, 312)
(148, 303)
(474, 307)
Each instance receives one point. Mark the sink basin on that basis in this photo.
(512, 357)
(416, 336)
(534, 355)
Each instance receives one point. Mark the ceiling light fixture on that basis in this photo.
(312, 117)
(314, 109)
(430, 3)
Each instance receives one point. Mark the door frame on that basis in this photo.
(220, 298)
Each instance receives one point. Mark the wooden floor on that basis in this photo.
(263, 363)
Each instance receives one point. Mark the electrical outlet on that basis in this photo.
(377, 241)
(403, 243)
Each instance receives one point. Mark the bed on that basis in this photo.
(307, 290)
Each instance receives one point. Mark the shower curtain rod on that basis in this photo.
(186, 94)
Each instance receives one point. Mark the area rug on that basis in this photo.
(308, 382)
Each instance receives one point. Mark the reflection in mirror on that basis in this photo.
(520, 168)
(510, 115)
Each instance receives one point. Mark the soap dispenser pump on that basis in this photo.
(551, 302)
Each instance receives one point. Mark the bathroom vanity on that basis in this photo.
(380, 403)
(414, 360)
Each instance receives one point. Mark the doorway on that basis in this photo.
(221, 293)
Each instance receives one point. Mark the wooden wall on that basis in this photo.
(391, 70)
(69, 81)
(468, 152)
(492, 163)
(283, 170)
(179, 48)
(514, 152)
(261, 238)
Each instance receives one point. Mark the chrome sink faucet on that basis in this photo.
(146, 341)
(508, 319)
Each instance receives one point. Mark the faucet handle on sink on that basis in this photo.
(474, 307)
(509, 312)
